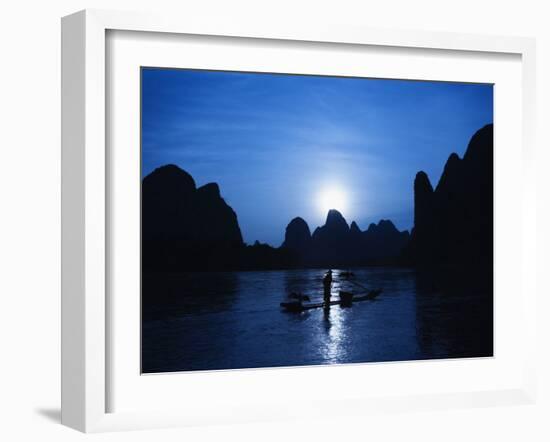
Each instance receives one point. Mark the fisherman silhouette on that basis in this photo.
(327, 283)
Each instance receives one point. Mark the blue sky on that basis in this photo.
(276, 143)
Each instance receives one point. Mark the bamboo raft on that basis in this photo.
(347, 299)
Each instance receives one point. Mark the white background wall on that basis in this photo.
(30, 216)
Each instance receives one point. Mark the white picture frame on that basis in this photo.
(86, 201)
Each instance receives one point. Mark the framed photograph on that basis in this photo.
(263, 222)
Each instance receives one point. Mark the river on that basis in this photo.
(212, 321)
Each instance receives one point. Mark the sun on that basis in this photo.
(332, 198)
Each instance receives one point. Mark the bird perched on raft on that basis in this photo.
(299, 296)
(347, 299)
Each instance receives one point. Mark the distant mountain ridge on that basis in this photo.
(190, 228)
(337, 244)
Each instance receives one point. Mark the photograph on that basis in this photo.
(293, 220)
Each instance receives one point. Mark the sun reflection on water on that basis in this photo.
(334, 341)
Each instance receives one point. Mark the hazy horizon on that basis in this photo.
(282, 146)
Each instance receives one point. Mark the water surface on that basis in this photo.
(210, 321)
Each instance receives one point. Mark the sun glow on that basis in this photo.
(332, 198)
